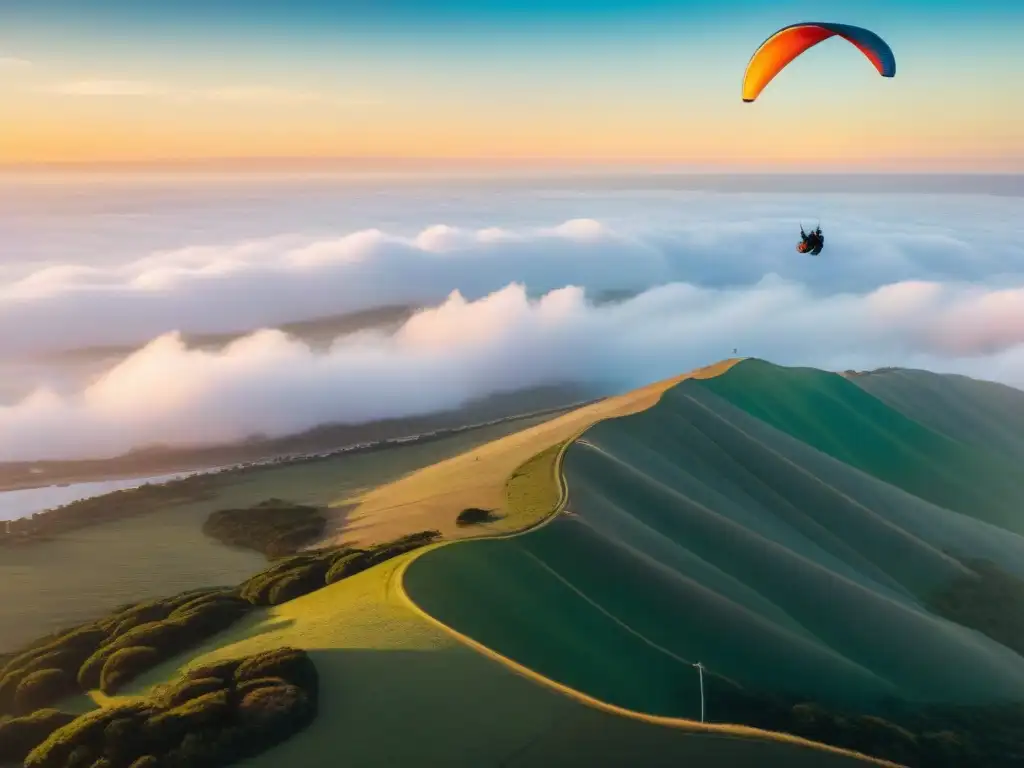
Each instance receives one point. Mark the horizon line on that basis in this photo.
(515, 164)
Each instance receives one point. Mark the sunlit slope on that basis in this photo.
(396, 690)
(981, 413)
(838, 417)
(698, 532)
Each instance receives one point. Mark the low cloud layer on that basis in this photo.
(711, 241)
(933, 282)
(268, 383)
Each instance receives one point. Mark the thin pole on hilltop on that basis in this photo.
(700, 671)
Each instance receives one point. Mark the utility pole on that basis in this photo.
(700, 671)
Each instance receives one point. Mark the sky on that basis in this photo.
(507, 272)
(559, 81)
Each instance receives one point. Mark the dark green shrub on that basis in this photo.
(346, 566)
(166, 729)
(226, 595)
(413, 540)
(124, 665)
(474, 516)
(62, 658)
(51, 642)
(255, 589)
(291, 664)
(20, 735)
(123, 741)
(258, 682)
(85, 734)
(187, 689)
(166, 637)
(42, 688)
(153, 610)
(82, 756)
(221, 670)
(159, 635)
(208, 749)
(202, 621)
(73, 647)
(275, 709)
(291, 541)
(274, 527)
(186, 726)
(296, 583)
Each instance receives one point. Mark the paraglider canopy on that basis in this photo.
(775, 53)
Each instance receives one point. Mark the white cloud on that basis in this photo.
(935, 282)
(265, 282)
(271, 384)
(12, 62)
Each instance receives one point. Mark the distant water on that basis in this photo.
(23, 503)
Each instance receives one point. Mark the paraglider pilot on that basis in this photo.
(811, 242)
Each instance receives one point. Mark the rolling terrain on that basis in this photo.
(400, 688)
(784, 527)
(789, 529)
(980, 413)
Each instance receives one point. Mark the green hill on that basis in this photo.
(840, 418)
(764, 523)
(981, 413)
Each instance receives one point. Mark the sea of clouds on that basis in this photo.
(507, 278)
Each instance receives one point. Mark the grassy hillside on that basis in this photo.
(840, 418)
(981, 413)
(433, 497)
(85, 573)
(784, 527)
(699, 533)
(398, 688)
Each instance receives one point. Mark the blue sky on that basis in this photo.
(651, 78)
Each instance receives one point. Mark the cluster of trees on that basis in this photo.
(274, 527)
(214, 715)
(924, 739)
(116, 505)
(304, 573)
(110, 652)
(474, 516)
(20, 735)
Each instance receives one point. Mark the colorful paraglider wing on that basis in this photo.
(789, 42)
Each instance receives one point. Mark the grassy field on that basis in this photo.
(86, 573)
(702, 533)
